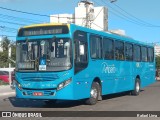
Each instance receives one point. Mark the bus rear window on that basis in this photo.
(43, 30)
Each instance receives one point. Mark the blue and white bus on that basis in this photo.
(69, 62)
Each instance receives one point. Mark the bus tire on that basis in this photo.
(94, 94)
(136, 90)
(50, 102)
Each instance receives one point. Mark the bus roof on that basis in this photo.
(103, 33)
(112, 35)
(44, 24)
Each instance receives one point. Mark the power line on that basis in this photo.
(127, 18)
(96, 17)
(135, 16)
(98, 14)
(97, 26)
(24, 12)
(36, 14)
(12, 23)
(8, 29)
(2, 27)
(42, 15)
(8, 17)
(123, 16)
(7, 36)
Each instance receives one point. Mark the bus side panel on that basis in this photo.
(117, 76)
(147, 74)
(145, 71)
(127, 81)
(101, 69)
(82, 84)
(113, 76)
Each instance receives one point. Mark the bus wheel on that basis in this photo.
(50, 102)
(94, 93)
(136, 90)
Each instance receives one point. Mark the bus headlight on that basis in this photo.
(63, 84)
(18, 85)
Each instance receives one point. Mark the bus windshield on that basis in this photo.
(44, 55)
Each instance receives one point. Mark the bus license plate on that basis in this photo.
(37, 93)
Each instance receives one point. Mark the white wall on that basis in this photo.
(101, 19)
(157, 50)
(80, 15)
(118, 31)
(7, 69)
(98, 21)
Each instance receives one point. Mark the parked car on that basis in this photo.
(4, 76)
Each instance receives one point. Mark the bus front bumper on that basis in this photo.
(63, 94)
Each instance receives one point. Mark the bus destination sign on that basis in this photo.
(43, 30)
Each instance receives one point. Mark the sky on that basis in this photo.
(139, 18)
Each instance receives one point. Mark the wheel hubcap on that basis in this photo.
(94, 93)
(137, 87)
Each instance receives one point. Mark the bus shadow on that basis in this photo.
(116, 95)
(24, 103)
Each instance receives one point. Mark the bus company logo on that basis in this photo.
(108, 68)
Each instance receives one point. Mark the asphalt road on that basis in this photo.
(148, 100)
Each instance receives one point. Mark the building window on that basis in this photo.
(108, 49)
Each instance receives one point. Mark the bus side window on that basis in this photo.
(95, 47)
(137, 53)
(128, 51)
(119, 50)
(108, 48)
(150, 54)
(144, 54)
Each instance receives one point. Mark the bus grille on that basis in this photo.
(38, 79)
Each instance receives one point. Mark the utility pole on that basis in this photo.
(87, 3)
(9, 56)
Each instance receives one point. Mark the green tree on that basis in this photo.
(5, 44)
(158, 62)
(13, 54)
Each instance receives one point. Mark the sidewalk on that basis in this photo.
(6, 90)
